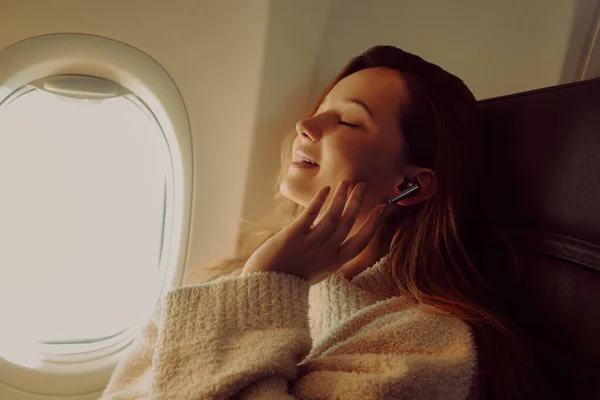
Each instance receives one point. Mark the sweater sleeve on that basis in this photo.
(246, 338)
(132, 377)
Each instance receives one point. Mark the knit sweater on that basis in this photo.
(271, 335)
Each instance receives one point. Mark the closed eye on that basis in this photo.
(348, 124)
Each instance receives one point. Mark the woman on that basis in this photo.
(337, 300)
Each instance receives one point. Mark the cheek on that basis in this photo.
(361, 160)
(363, 164)
(349, 161)
(365, 160)
(376, 166)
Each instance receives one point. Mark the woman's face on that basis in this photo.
(354, 135)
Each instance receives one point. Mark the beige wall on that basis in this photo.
(496, 47)
(293, 37)
(583, 50)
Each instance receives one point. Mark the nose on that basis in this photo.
(309, 128)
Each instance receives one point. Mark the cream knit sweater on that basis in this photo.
(271, 336)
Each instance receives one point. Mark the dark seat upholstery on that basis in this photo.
(543, 174)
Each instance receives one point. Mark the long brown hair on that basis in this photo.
(436, 248)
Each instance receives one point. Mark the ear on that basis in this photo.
(427, 180)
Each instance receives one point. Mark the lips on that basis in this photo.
(303, 156)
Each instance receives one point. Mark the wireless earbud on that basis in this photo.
(408, 192)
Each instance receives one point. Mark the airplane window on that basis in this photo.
(83, 166)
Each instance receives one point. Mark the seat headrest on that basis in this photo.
(542, 181)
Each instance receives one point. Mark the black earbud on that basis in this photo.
(413, 188)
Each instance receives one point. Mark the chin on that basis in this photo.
(291, 191)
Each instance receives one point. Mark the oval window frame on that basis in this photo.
(84, 54)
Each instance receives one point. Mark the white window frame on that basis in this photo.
(84, 54)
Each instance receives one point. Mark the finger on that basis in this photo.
(350, 214)
(303, 222)
(333, 215)
(359, 241)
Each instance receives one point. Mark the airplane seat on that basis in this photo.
(542, 167)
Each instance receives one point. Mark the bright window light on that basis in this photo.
(81, 217)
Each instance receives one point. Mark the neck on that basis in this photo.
(365, 259)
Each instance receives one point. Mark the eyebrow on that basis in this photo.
(362, 104)
(358, 102)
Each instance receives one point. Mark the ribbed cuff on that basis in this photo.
(257, 301)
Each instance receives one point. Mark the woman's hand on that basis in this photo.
(315, 252)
